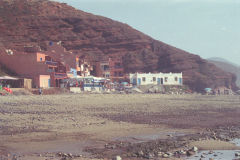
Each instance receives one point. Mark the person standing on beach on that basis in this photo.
(40, 91)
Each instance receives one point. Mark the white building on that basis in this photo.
(156, 78)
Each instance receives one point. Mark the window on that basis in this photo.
(117, 65)
(154, 79)
(120, 74)
(143, 79)
(115, 74)
(166, 79)
(176, 79)
(106, 67)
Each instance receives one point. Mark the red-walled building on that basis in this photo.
(83, 66)
(111, 68)
(40, 67)
(49, 67)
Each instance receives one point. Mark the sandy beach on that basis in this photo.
(101, 126)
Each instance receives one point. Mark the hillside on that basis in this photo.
(32, 22)
(2, 73)
(228, 67)
(5, 71)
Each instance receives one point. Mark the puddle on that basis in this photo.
(148, 137)
(218, 154)
(237, 142)
(73, 147)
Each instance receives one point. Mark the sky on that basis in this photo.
(209, 28)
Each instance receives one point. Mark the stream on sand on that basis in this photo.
(218, 154)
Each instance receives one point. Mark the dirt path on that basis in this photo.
(39, 127)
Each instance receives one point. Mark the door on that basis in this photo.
(49, 82)
(159, 81)
(139, 81)
(134, 81)
(180, 80)
(57, 83)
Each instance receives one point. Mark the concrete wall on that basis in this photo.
(75, 90)
(156, 78)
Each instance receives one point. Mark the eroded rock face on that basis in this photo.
(32, 22)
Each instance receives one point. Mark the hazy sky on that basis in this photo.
(209, 28)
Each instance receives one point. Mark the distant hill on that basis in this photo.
(218, 59)
(227, 66)
(33, 22)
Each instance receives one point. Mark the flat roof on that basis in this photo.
(8, 78)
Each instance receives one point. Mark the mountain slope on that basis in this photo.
(227, 66)
(2, 73)
(32, 22)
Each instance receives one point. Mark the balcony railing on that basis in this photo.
(58, 75)
(51, 63)
(50, 70)
(118, 67)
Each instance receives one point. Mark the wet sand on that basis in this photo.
(214, 145)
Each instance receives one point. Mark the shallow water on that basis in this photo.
(237, 142)
(218, 154)
(73, 147)
(148, 137)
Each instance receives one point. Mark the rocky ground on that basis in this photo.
(102, 126)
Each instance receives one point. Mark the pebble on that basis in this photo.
(194, 149)
(202, 156)
(150, 156)
(117, 158)
(160, 154)
(190, 153)
(237, 154)
(169, 135)
(165, 155)
(169, 154)
(140, 153)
